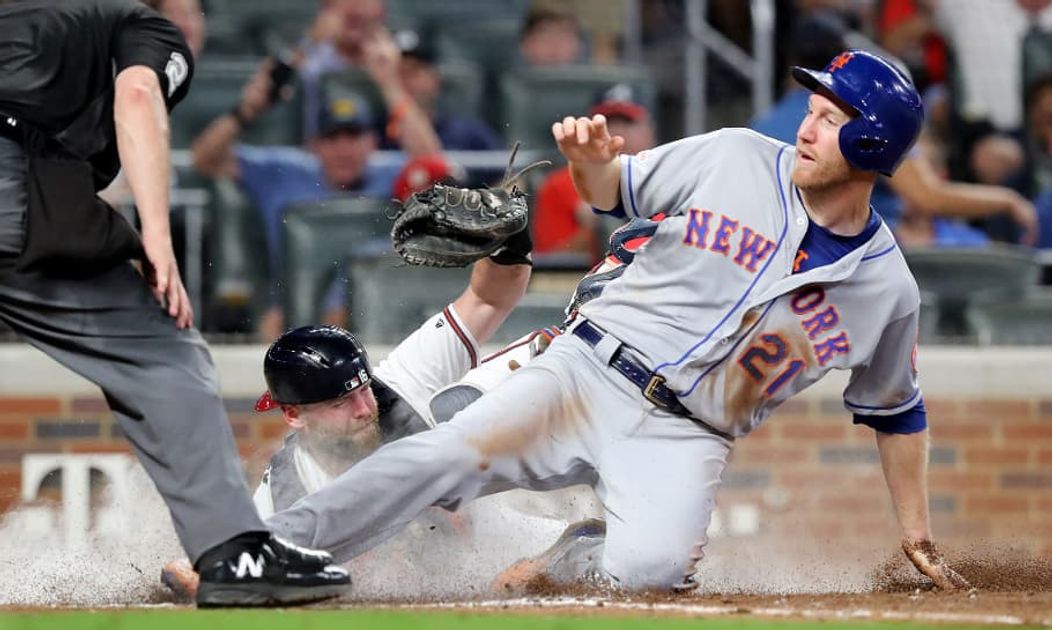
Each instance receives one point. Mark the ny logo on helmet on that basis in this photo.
(840, 61)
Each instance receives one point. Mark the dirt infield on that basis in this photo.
(1011, 588)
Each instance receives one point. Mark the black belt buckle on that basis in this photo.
(650, 391)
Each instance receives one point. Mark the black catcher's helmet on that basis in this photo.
(311, 364)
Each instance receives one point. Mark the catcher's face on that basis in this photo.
(819, 163)
(346, 426)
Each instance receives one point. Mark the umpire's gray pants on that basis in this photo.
(158, 380)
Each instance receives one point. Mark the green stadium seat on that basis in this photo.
(535, 311)
(492, 44)
(215, 89)
(318, 238)
(534, 98)
(961, 277)
(389, 299)
(1026, 322)
(479, 12)
(929, 318)
(239, 275)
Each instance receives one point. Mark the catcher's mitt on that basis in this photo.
(448, 226)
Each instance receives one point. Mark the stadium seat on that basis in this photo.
(492, 44)
(1026, 322)
(961, 277)
(535, 311)
(388, 299)
(533, 98)
(240, 276)
(478, 12)
(929, 318)
(216, 89)
(318, 238)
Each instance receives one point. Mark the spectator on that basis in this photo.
(351, 34)
(986, 38)
(603, 21)
(562, 222)
(337, 161)
(907, 30)
(813, 41)
(550, 38)
(1039, 141)
(420, 173)
(422, 82)
(918, 228)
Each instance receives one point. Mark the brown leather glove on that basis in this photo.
(926, 557)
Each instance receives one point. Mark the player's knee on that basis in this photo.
(653, 569)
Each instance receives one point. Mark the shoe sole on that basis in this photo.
(521, 574)
(262, 595)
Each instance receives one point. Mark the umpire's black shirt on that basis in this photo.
(58, 60)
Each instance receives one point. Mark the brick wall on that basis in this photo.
(812, 472)
(809, 472)
(83, 424)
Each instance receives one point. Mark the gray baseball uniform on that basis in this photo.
(711, 303)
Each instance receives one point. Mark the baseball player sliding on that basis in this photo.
(770, 271)
(340, 409)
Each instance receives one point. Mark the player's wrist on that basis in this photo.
(516, 250)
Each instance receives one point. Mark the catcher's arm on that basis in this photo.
(904, 458)
(494, 291)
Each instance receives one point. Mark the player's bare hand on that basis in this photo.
(162, 274)
(1025, 216)
(926, 557)
(587, 140)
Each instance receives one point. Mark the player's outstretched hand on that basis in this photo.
(587, 140)
(926, 557)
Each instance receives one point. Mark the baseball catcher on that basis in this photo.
(449, 226)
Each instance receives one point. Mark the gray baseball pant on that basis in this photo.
(159, 381)
(565, 418)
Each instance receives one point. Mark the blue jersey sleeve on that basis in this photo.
(913, 420)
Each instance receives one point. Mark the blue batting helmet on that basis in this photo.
(888, 107)
(312, 364)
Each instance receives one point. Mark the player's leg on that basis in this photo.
(534, 430)
(160, 383)
(659, 484)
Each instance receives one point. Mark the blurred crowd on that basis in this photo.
(982, 171)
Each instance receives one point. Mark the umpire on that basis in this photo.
(86, 88)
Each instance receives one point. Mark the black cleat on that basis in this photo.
(267, 571)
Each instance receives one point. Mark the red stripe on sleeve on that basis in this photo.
(462, 335)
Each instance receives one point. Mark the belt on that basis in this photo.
(631, 367)
(651, 384)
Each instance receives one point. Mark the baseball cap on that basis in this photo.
(619, 101)
(413, 44)
(345, 111)
(423, 171)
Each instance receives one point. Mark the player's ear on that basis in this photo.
(292, 416)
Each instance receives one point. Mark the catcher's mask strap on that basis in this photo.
(266, 402)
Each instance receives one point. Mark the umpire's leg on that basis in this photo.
(159, 381)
